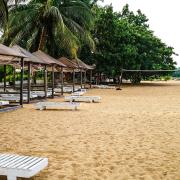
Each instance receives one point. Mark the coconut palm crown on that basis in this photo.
(50, 25)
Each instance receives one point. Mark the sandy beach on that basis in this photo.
(132, 134)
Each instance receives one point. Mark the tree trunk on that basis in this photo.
(100, 78)
(42, 39)
(114, 80)
(120, 80)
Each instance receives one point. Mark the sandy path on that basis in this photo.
(131, 134)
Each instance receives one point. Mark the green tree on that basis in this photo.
(124, 40)
(152, 52)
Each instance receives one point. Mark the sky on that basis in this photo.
(163, 18)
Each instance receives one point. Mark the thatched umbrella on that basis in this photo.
(70, 67)
(34, 63)
(84, 68)
(8, 55)
(54, 63)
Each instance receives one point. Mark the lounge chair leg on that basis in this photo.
(42, 108)
(11, 177)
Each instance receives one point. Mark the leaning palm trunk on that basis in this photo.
(55, 26)
(42, 39)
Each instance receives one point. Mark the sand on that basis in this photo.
(131, 134)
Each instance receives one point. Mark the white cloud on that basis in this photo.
(163, 18)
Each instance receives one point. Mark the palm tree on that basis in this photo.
(3, 13)
(50, 25)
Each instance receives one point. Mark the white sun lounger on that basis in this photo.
(17, 95)
(78, 93)
(62, 105)
(12, 98)
(83, 90)
(14, 166)
(2, 103)
(104, 87)
(67, 89)
(83, 98)
(41, 93)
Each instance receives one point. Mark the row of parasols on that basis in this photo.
(21, 58)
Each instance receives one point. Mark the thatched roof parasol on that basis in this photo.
(9, 55)
(7, 51)
(82, 65)
(47, 59)
(68, 63)
(29, 56)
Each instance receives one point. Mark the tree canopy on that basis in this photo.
(54, 26)
(124, 40)
(97, 35)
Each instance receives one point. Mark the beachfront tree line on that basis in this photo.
(80, 28)
(124, 40)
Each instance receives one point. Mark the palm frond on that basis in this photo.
(79, 12)
(3, 13)
(53, 25)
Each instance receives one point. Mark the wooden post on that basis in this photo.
(91, 78)
(85, 79)
(22, 79)
(29, 83)
(73, 80)
(45, 81)
(14, 77)
(62, 81)
(81, 79)
(53, 81)
(35, 78)
(4, 78)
